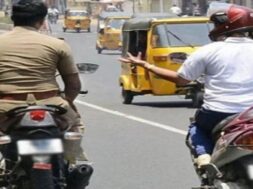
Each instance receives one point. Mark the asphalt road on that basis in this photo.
(137, 146)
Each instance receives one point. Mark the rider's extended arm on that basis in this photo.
(169, 75)
(166, 74)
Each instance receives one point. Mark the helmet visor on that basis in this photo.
(217, 7)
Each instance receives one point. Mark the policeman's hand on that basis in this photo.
(133, 60)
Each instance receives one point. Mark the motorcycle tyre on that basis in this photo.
(41, 179)
(99, 50)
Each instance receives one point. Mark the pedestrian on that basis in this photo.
(195, 9)
(176, 10)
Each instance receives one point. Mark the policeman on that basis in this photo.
(29, 61)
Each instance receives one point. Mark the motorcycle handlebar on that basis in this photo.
(83, 92)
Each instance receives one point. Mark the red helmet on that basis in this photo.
(234, 19)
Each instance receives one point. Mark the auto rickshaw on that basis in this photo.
(76, 20)
(109, 30)
(162, 42)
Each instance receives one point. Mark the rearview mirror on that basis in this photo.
(178, 57)
(87, 67)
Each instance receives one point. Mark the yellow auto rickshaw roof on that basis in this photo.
(145, 23)
(193, 19)
(157, 15)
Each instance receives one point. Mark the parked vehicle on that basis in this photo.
(163, 42)
(32, 149)
(109, 30)
(76, 20)
(231, 164)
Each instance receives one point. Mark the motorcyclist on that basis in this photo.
(228, 73)
(29, 62)
(53, 14)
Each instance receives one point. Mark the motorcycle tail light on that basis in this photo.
(38, 115)
(245, 141)
(42, 166)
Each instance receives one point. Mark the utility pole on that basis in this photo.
(134, 6)
(161, 6)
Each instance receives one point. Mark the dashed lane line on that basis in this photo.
(134, 118)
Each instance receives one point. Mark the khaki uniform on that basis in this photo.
(29, 62)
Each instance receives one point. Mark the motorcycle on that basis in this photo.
(231, 164)
(52, 17)
(32, 148)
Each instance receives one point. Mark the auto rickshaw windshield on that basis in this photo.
(178, 35)
(72, 13)
(116, 23)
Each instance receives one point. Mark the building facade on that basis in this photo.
(186, 5)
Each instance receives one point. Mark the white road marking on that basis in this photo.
(117, 113)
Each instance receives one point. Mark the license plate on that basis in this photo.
(38, 147)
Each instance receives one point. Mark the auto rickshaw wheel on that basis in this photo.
(127, 96)
(197, 99)
(99, 50)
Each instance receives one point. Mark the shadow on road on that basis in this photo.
(111, 53)
(75, 32)
(174, 104)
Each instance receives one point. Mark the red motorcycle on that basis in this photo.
(231, 164)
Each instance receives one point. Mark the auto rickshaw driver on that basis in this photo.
(142, 44)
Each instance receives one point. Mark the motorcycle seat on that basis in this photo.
(218, 128)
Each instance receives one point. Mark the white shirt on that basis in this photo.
(228, 69)
(53, 11)
(176, 10)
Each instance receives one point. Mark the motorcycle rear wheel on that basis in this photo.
(41, 179)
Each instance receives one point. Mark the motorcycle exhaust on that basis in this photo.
(79, 176)
(73, 136)
(5, 139)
